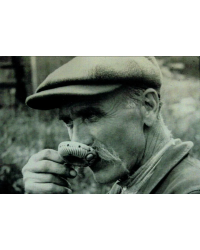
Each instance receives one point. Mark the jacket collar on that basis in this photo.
(169, 160)
(174, 154)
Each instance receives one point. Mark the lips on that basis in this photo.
(98, 165)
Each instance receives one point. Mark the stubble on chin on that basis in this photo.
(109, 168)
(108, 172)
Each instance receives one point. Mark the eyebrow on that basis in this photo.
(81, 112)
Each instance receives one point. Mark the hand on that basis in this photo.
(45, 173)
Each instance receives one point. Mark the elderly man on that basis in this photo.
(112, 105)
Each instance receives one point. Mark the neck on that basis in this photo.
(157, 137)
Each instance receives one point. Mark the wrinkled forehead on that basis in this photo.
(73, 108)
(100, 102)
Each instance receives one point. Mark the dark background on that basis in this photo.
(24, 131)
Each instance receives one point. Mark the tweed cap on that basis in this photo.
(91, 76)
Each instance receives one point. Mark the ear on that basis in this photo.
(150, 106)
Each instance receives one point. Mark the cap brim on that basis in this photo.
(54, 98)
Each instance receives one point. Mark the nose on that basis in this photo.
(81, 133)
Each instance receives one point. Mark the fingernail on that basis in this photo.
(73, 173)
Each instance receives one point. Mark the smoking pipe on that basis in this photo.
(77, 154)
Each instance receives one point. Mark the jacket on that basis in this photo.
(176, 173)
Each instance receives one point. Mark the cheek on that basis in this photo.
(134, 140)
(124, 135)
(129, 142)
(107, 132)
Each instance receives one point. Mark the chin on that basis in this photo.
(107, 173)
(104, 179)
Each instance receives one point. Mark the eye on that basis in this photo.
(90, 118)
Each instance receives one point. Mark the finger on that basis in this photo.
(45, 166)
(46, 188)
(70, 172)
(51, 167)
(47, 154)
(45, 178)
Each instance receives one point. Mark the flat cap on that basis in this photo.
(89, 76)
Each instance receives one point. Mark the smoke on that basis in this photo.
(107, 154)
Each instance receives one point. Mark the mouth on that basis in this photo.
(98, 165)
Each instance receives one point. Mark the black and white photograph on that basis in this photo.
(99, 98)
(100, 125)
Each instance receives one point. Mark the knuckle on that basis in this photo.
(47, 153)
(24, 169)
(43, 154)
(33, 157)
(45, 165)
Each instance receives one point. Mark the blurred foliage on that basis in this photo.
(186, 65)
(24, 131)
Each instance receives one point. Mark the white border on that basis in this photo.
(86, 28)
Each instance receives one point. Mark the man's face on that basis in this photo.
(111, 123)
